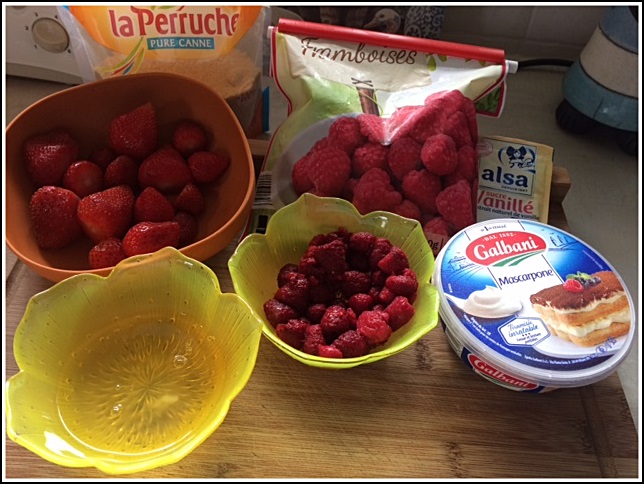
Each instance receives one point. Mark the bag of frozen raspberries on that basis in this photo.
(387, 122)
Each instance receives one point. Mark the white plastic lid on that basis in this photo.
(486, 275)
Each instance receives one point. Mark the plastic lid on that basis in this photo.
(503, 298)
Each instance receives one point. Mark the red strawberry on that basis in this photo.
(107, 213)
(207, 166)
(135, 132)
(47, 156)
(190, 200)
(189, 137)
(102, 156)
(146, 237)
(165, 170)
(189, 227)
(124, 170)
(152, 206)
(53, 217)
(106, 253)
(83, 177)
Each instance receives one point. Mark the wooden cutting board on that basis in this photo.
(419, 414)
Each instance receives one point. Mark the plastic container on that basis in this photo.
(490, 274)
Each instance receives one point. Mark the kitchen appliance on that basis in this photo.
(38, 45)
(601, 87)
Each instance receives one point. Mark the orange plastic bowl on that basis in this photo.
(86, 111)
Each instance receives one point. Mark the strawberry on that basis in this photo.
(123, 170)
(206, 166)
(135, 132)
(152, 206)
(53, 217)
(106, 253)
(165, 170)
(146, 237)
(189, 137)
(190, 200)
(189, 226)
(107, 213)
(83, 177)
(47, 156)
(102, 156)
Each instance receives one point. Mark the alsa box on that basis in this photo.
(531, 307)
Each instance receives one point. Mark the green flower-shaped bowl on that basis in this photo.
(131, 371)
(258, 258)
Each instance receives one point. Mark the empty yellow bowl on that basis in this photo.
(258, 258)
(131, 371)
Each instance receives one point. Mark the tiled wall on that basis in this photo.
(524, 32)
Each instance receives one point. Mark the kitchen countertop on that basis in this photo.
(601, 208)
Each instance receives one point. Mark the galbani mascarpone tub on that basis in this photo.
(531, 307)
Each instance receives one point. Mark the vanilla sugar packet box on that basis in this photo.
(514, 179)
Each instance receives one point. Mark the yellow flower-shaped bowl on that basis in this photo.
(258, 258)
(131, 371)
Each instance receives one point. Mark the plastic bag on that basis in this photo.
(333, 76)
(221, 46)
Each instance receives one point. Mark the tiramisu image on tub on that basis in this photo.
(586, 309)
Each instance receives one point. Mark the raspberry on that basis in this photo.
(295, 293)
(573, 285)
(345, 134)
(331, 257)
(404, 156)
(448, 101)
(429, 123)
(457, 128)
(367, 156)
(386, 295)
(360, 303)
(469, 109)
(466, 167)
(322, 290)
(362, 242)
(437, 226)
(329, 351)
(378, 279)
(395, 262)
(300, 175)
(439, 154)
(373, 326)
(354, 282)
(337, 320)
(372, 127)
(293, 332)
(408, 209)
(277, 312)
(422, 187)
(349, 189)
(454, 203)
(404, 284)
(315, 312)
(374, 191)
(381, 248)
(400, 311)
(352, 344)
(285, 273)
(313, 339)
(468, 163)
(328, 170)
(401, 122)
